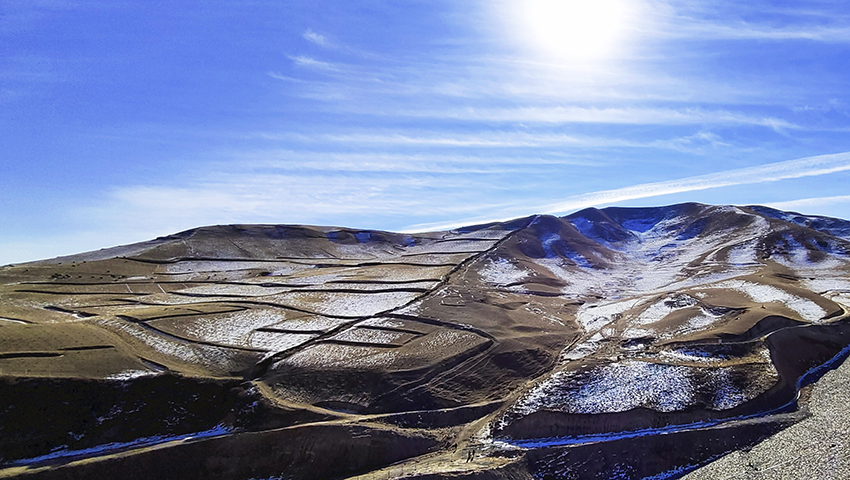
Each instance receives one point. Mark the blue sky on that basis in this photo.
(124, 120)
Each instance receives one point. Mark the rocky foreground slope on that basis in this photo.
(613, 343)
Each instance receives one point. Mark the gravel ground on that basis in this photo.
(816, 448)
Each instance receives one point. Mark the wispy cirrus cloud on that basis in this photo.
(286, 78)
(316, 38)
(437, 139)
(383, 162)
(417, 112)
(286, 196)
(810, 202)
(275, 192)
(772, 172)
(825, 22)
(310, 62)
(619, 116)
(749, 31)
(696, 143)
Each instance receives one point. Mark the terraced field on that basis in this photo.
(615, 343)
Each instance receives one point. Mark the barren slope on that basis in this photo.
(526, 347)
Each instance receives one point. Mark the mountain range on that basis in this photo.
(609, 343)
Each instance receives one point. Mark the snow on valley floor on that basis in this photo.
(631, 383)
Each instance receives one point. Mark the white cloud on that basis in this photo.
(772, 172)
(60, 242)
(309, 62)
(314, 37)
(701, 142)
(402, 163)
(278, 76)
(485, 139)
(722, 20)
(497, 139)
(803, 167)
(810, 202)
(478, 140)
(283, 197)
(748, 31)
(625, 115)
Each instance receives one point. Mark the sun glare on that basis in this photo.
(576, 30)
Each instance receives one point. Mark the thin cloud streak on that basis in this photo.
(285, 78)
(748, 31)
(810, 202)
(310, 62)
(316, 38)
(503, 139)
(620, 116)
(688, 20)
(492, 140)
(803, 167)
(389, 163)
(282, 197)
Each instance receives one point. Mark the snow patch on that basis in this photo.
(616, 387)
(743, 255)
(585, 227)
(548, 242)
(367, 335)
(623, 386)
(231, 328)
(224, 290)
(190, 353)
(502, 272)
(278, 341)
(594, 317)
(347, 304)
(310, 323)
(632, 333)
(827, 284)
(328, 355)
(130, 374)
(657, 311)
(582, 349)
(761, 293)
(697, 323)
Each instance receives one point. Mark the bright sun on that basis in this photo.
(576, 30)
